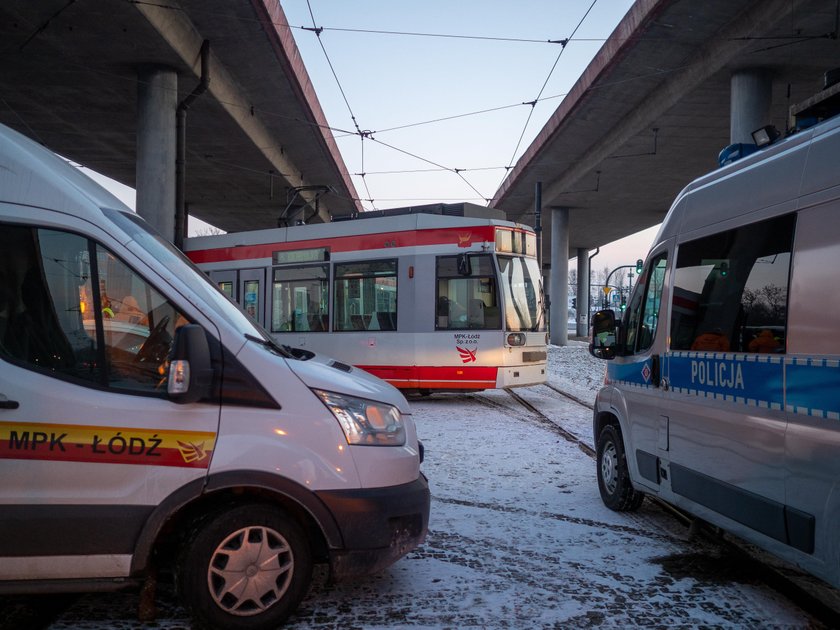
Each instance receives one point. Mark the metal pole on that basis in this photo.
(538, 222)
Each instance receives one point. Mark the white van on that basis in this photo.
(723, 393)
(147, 423)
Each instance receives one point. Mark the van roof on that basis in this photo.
(756, 185)
(32, 175)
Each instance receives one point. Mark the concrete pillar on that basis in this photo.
(559, 287)
(750, 99)
(582, 292)
(157, 100)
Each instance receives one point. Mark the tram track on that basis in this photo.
(786, 582)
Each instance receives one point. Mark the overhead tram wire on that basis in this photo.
(362, 134)
(338, 132)
(525, 40)
(545, 83)
(457, 171)
(433, 170)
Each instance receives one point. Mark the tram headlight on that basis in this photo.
(365, 422)
(516, 339)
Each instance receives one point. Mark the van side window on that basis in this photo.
(643, 311)
(731, 288)
(466, 293)
(300, 298)
(71, 308)
(366, 296)
(138, 325)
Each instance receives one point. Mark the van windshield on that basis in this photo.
(154, 245)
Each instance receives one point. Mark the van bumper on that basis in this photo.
(378, 525)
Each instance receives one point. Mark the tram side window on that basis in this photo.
(365, 296)
(467, 294)
(300, 299)
(731, 289)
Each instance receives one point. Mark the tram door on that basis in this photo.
(246, 287)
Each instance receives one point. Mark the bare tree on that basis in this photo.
(208, 230)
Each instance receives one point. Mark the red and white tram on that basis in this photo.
(422, 299)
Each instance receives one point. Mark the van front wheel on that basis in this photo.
(247, 567)
(617, 492)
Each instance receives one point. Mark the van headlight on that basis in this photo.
(365, 422)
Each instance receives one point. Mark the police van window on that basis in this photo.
(467, 296)
(71, 308)
(300, 299)
(365, 296)
(730, 289)
(643, 311)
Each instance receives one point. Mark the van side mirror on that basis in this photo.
(190, 370)
(603, 335)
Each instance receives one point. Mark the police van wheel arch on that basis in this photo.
(245, 567)
(614, 484)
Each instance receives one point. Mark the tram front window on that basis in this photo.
(467, 296)
(522, 288)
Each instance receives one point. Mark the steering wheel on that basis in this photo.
(156, 346)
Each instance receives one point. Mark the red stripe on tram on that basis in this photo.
(462, 237)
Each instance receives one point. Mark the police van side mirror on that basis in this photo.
(190, 370)
(603, 335)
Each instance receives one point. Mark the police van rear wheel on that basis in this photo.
(617, 492)
(247, 567)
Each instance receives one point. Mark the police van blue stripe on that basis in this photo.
(748, 379)
(630, 374)
(802, 385)
(813, 386)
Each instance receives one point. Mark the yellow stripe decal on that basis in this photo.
(111, 445)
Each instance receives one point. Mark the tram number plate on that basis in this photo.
(534, 355)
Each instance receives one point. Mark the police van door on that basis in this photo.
(89, 442)
(638, 373)
(726, 373)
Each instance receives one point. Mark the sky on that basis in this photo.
(442, 85)
(414, 91)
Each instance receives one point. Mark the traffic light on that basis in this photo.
(623, 303)
(574, 302)
(639, 265)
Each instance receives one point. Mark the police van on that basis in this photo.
(722, 394)
(147, 424)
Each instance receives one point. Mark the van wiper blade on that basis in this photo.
(283, 351)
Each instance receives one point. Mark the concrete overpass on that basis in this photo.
(676, 83)
(101, 82)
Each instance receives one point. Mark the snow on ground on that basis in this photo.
(519, 538)
(575, 371)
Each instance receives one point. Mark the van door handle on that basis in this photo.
(5, 403)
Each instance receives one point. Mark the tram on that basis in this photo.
(435, 298)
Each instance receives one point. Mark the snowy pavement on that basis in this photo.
(519, 538)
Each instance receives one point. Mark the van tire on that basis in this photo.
(268, 549)
(617, 491)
